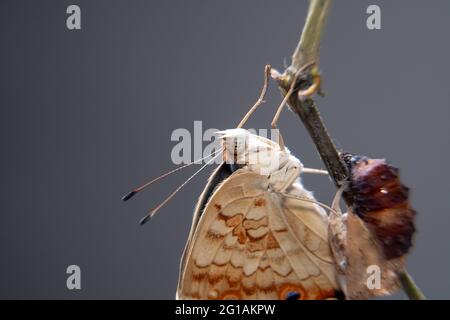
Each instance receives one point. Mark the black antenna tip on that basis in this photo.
(129, 195)
(144, 219)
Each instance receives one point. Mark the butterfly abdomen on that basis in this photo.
(382, 202)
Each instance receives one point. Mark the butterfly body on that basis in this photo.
(252, 237)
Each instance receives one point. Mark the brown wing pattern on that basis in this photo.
(252, 243)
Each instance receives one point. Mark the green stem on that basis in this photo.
(410, 287)
(307, 50)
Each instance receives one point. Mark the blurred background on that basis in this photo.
(87, 115)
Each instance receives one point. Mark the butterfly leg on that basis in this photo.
(315, 87)
(276, 132)
(337, 232)
(276, 117)
(302, 94)
(291, 178)
(260, 99)
(315, 171)
(337, 198)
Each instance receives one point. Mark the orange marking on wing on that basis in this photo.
(231, 295)
(271, 242)
(195, 296)
(214, 280)
(263, 268)
(260, 202)
(248, 284)
(253, 246)
(268, 289)
(213, 235)
(254, 236)
(240, 232)
(199, 274)
(233, 275)
(221, 216)
(249, 290)
(218, 206)
(254, 224)
(287, 288)
(235, 220)
(214, 277)
(331, 293)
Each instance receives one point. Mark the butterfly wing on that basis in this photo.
(253, 243)
(360, 257)
(222, 172)
(364, 259)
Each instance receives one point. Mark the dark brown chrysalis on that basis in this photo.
(382, 202)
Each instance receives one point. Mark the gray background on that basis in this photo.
(87, 115)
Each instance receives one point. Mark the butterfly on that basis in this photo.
(256, 233)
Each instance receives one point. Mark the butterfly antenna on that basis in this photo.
(130, 194)
(153, 211)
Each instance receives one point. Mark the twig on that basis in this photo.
(410, 287)
(307, 52)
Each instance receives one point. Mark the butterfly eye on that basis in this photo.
(293, 295)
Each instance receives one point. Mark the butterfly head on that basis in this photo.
(258, 154)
